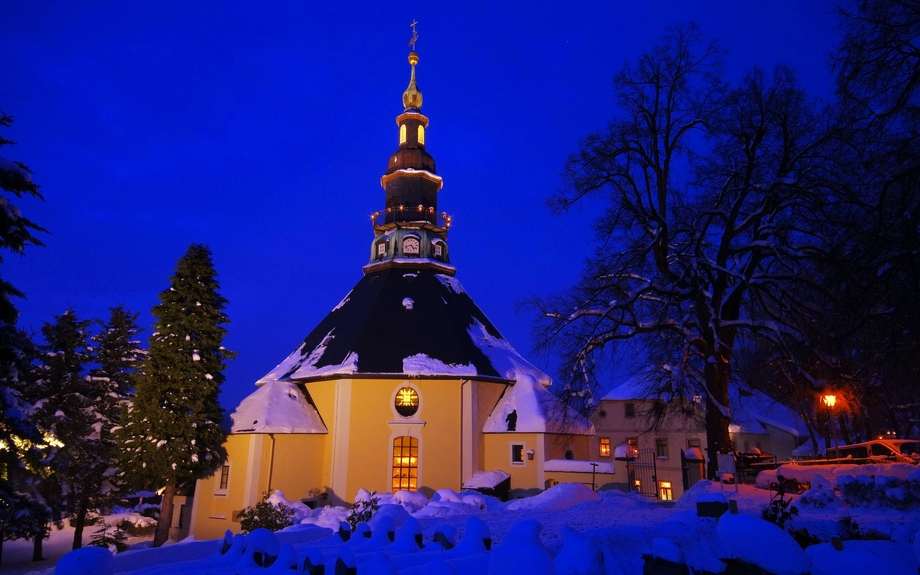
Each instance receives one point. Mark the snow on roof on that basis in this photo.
(632, 388)
(537, 410)
(276, 407)
(421, 364)
(372, 331)
(751, 410)
(756, 409)
(485, 479)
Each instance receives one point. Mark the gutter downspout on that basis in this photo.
(271, 463)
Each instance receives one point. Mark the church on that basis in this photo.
(405, 385)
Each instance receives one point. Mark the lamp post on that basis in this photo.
(829, 401)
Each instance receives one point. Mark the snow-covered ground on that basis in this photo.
(566, 530)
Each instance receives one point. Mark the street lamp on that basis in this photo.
(829, 401)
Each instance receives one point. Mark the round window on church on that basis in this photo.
(406, 402)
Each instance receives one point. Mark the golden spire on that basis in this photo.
(412, 97)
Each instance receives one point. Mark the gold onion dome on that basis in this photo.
(412, 97)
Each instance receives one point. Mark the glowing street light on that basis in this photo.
(830, 401)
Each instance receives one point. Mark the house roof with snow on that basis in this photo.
(405, 322)
(750, 409)
(276, 407)
(536, 410)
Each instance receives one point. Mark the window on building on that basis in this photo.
(223, 480)
(517, 454)
(569, 454)
(605, 447)
(381, 250)
(438, 250)
(661, 447)
(664, 491)
(405, 464)
(633, 442)
(406, 401)
(402, 134)
(659, 408)
(694, 442)
(630, 410)
(421, 135)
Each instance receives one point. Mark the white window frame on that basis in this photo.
(523, 453)
(217, 480)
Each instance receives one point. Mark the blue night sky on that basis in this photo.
(261, 129)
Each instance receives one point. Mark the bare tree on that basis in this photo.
(703, 240)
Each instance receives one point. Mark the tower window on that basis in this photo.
(410, 246)
(439, 250)
(421, 135)
(402, 134)
(381, 249)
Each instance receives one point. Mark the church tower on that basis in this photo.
(404, 385)
(410, 231)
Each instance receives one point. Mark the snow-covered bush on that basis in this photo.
(882, 491)
(266, 515)
(366, 504)
(110, 537)
(820, 495)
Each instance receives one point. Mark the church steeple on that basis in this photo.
(410, 231)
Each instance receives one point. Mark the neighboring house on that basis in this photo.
(405, 385)
(669, 454)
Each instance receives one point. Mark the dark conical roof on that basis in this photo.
(414, 322)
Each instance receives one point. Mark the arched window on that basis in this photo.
(439, 250)
(402, 134)
(405, 464)
(421, 135)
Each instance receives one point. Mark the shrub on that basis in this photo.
(109, 537)
(137, 529)
(362, 510)
(267, 515)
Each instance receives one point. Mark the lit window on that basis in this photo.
(223, 480)
(410, 246)
(605, 447)
(661, 447)
(405, 464)
(517, 454)
(630, 410)
(421, 135)
(664, 491)
(406, 402)
(402, 134)
(633, 443)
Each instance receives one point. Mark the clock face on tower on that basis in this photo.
(410, 246)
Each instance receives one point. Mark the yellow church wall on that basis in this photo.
(213, 508)
(375, 424)
(251, 466)
(556, 446)
(526, 477)
(323, 395)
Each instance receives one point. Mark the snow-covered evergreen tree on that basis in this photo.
(172, 434)
(65, 399)
(21, 441)
(117, 355)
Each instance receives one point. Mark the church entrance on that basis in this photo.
(405, 464)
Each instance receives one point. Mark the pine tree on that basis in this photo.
(172, 434)
(117, 355)
(65, 406)
(21, 442)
